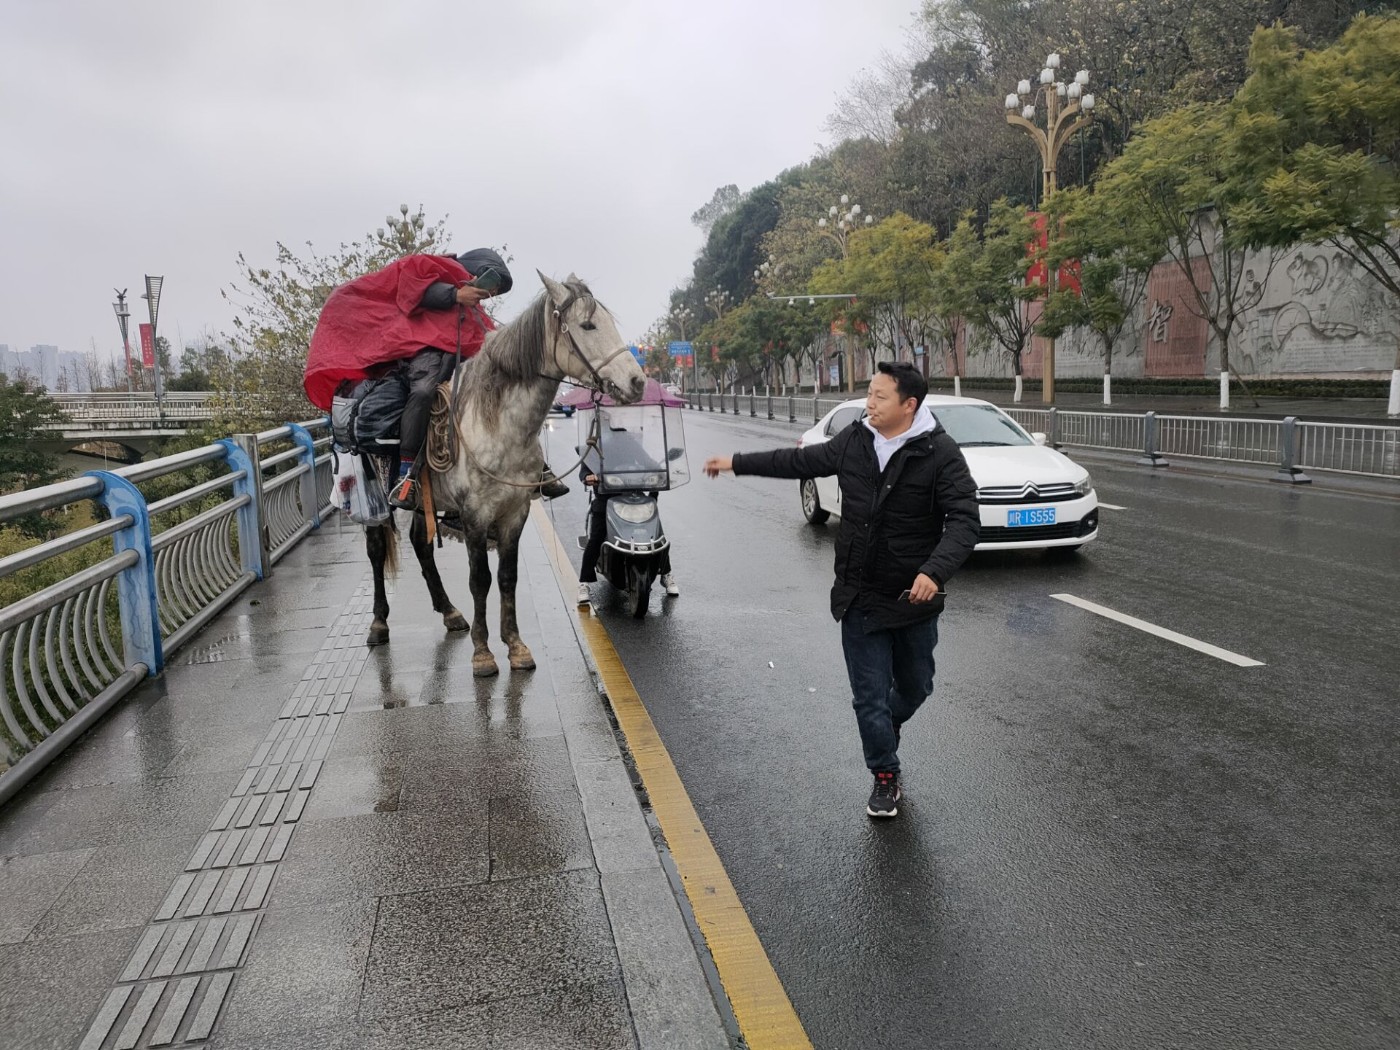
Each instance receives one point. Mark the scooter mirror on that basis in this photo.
(675, 454)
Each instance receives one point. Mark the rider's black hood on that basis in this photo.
(479, 261)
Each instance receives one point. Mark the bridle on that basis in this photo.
(561, 328)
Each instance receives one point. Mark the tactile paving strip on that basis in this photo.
(178, 978)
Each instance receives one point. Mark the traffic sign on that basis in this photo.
(679, 349)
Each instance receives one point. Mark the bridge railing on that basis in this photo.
(92, 613)
(110, 408)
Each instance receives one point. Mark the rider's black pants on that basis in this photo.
(426, 370)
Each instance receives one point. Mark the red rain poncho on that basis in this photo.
(376, 318)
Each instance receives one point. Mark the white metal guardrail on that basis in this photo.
(151, 574)
(1291, 445)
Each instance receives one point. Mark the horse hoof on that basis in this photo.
(455, 621)
(484, 666)
(378, 634)
(521, 658)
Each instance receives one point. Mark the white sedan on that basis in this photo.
(1029, 495)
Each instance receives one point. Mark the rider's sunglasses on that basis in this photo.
(489, 279)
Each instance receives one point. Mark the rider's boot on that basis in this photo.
(404, 494)
(552, 487)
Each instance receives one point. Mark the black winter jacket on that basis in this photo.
(918, 516)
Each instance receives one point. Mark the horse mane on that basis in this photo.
(514, 353)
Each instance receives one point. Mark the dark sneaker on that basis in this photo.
(885, 796)
(405, 493)
(552, 488)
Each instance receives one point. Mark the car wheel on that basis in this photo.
(811, 504)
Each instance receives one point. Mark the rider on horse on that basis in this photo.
(422, 309)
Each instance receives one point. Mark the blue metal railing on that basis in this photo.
(139, 584)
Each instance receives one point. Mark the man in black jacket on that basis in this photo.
(908, 521)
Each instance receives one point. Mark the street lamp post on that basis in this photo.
(123, 318)
(1068, 107)
(837, 223)
(152, 297)
(680, 317)
(717, 300)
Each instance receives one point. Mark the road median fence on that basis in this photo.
(1291, 446)
(152, 553)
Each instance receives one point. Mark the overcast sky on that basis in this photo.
(165, 138)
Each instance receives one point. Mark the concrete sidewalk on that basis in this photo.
(290, 840)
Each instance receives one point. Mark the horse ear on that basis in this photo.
(557, 291)
(572, 278)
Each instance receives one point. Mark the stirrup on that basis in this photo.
(405, 493)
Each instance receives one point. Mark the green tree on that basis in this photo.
(25, 409)
(985, 278)
(890, 267)
(279, 307)
(1183, 182)
(1329, 123)
(1112, 263)
(725, 200)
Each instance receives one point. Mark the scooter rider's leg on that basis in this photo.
(597, 533)
(668, 578)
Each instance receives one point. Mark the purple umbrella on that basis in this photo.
(655, 394)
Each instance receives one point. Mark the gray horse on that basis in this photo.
(501, 401)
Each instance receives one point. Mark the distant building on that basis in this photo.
(48, 366)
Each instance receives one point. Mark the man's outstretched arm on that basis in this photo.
(813, 461)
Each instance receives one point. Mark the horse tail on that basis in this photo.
(390, 536)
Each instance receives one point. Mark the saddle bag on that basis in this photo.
(365, 418)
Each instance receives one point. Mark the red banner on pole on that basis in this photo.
(148, 346)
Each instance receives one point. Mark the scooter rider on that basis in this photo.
(597, 517)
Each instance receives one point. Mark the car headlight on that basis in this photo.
(636, 513)
(1083, 488)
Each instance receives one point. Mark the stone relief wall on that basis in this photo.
(1314, 313)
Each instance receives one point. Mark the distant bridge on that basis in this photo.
(133, 420)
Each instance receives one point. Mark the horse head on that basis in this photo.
(585, 343)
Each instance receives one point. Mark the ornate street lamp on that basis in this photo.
(1068, 107)
(841, 219)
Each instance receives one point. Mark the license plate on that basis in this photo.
(1036, 516)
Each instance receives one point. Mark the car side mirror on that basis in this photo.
(1038, 437)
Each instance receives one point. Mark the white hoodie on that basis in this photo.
(886, 447)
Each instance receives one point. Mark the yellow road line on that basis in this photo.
(766, 1018)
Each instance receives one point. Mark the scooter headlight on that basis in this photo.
(636, 513)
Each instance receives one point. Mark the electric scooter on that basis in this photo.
(636, 452)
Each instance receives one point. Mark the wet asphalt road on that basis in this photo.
(1108, 840)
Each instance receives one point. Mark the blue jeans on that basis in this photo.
(891, 673)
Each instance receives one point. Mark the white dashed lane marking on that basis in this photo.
(1160, 632)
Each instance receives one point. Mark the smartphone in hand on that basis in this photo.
(908, 595)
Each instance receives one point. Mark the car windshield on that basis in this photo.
(973, 426)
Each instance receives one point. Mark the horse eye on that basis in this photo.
(588, 326)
